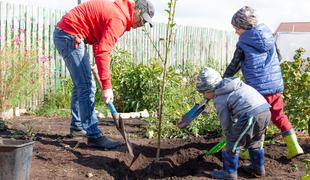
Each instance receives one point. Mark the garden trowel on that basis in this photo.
(218, 147)
(192, 114)
(116, 117)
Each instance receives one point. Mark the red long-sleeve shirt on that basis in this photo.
(101, 23)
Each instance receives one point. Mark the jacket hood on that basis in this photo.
(227, 86)
(260, 37)
(127, 7)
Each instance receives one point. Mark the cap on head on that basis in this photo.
(244, 18)
(208, 79)
(147, 10)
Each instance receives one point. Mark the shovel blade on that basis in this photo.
(120, 126)
(191, 115)
(124, 134)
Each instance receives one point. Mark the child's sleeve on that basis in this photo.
(225, 117)
(235, 63)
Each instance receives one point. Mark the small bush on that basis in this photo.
(136, 87)
(21, 75)
(296, 75)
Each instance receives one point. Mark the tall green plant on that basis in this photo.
(21, 75)
(296, 75)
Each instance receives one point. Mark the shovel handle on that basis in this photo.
(112, 108)
(114, 114)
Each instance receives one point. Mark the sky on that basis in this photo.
(211, 13)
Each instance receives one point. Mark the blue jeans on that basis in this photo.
(84, 86)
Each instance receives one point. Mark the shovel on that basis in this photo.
(116, 117)
(192, 114)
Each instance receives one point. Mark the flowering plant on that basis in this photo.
(21, 74)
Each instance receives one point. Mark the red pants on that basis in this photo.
(277, 115)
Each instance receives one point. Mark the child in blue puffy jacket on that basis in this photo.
(258, 58)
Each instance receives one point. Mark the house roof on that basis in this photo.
(294, 27)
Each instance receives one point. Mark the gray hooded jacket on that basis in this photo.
(236, 101)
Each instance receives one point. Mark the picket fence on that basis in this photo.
(32, 27)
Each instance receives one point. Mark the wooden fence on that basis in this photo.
(32, 27)
(191, 44)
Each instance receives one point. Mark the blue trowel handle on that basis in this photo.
(112, 108)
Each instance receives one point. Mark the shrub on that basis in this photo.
(296, 75)
(136, 87)
(21, 75)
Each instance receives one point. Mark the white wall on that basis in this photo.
(289, 42)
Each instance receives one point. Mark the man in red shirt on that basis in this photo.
(99, 23)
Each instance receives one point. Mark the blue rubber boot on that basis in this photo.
(230, 166)
(256, 168)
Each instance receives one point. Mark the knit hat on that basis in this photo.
(147, 10)
(244, 18)
(207, 80)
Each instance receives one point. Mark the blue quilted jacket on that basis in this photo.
(260, 67)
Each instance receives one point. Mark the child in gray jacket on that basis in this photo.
(244, 115)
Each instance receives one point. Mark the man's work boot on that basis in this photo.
(103, 143)
(293, 148)
(77, 133)
(256, 168)
(230, 166)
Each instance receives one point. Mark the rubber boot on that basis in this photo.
(256, 168)
(230, 166)
(244, 154)
(293, 148)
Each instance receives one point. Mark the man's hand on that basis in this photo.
(77, 40)
(107, 95)
(94, 69)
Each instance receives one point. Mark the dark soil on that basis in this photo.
(57, 156)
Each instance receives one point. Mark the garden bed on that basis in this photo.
(57, 156)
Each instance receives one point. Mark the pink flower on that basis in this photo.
(43, 59)
(17, 40)
(1, 38)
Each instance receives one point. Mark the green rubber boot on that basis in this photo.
(293, 148)
(244, 154)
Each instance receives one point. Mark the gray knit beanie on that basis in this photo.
(244, 18)
(207, 80)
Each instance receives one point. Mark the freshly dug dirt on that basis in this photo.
(57, 156)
